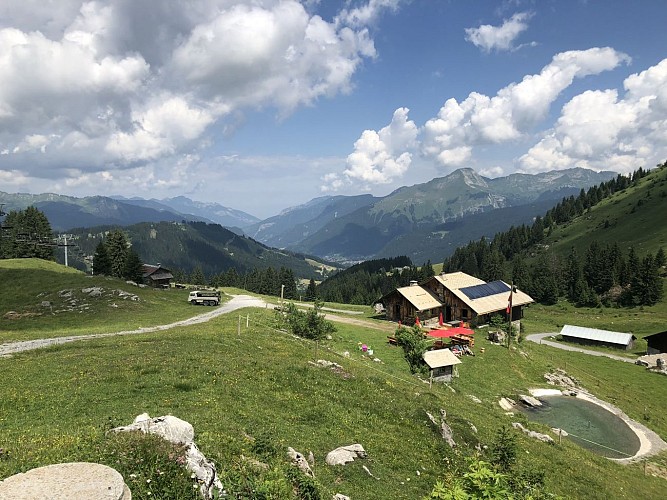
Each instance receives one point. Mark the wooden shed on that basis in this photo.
(156, 276)
(657, 343)
(441, 364)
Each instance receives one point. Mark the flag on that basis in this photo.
(509, 302)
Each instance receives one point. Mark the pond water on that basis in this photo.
(589, 425)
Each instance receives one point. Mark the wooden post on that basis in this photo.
(560, 435)
(247, 320)
(238, 329)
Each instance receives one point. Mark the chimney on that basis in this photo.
(413, 282)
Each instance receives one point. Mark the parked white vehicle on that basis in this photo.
(204, 298)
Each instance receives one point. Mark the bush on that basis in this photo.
(414, 346)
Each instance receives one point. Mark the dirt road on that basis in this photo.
(237, 302)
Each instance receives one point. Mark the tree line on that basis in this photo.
(26, 234)
(604, 275)
(366, 282)
(114, 256)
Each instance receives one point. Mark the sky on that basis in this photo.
(261, 105)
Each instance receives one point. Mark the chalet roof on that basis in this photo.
(155, 272)
(419, 297)
(440, 358)
(493, 302)
(581, 332)
(459, 279)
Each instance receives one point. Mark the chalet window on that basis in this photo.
(464, 313)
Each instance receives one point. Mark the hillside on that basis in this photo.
(631, 217)
(186, 246)
(253, 394)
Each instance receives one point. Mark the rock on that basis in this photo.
(340, 496)
(506, 404)
(345, 454)
(474, 398)
(171, 428)
(311, 458)
(445, 430)
(178, 431)
(530, 401)
(300, 461)
(46, 303)
(80, 480)
(536, 435)
(558, 431)
(93, 291)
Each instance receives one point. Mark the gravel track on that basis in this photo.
(237, 302)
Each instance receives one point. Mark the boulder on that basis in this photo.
(340, 496)
(171, 428)
(300, 461)
(506, 404)
(530, 401)
(535, 435)
(178, 431)
(345, 454)
(77, 480)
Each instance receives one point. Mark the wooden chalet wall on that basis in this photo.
(453, 307)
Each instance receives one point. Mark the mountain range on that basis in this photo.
(425, 221)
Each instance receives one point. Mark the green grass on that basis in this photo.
(631, 217)
(27, 284)
(57, 403)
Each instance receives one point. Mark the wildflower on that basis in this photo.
(148, 481)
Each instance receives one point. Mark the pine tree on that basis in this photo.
(197, 277)
(311, 291)
(117, 249)
(101, 260)
(133, 267)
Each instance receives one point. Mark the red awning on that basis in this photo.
(450, 332)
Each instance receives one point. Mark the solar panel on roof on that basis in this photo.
(485, 290)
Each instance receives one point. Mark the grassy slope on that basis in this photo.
(635, 217)
(27, 283)
(261, 383)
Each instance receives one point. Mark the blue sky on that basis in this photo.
(263, 105)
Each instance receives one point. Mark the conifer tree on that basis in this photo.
(117, 249)
(133, 267)
(101, 260)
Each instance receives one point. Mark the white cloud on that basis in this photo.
(124, 82)
(492, 172)
(380, 157)
(501, 37)
(599, 130)
(513, 111)
(367, 13)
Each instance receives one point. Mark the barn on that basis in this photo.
(657, 343)
(594, 336)
(408, 303)
(156, 276)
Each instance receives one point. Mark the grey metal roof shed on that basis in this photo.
(596, 336)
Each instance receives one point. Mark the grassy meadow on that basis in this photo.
(249, 396)
(28, 283)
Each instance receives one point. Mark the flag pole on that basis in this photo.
(509, 316)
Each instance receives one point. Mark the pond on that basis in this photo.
(587, 424)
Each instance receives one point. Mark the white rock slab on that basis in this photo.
(68, 481)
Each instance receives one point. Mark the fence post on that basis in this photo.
(238, 329)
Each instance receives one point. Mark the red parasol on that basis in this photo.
(450, 332)
(441, 322)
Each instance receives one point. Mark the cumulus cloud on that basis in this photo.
(366, 13)
(600, 130)
(91, 85)
(514, 110)
(488, 37)
(380, 157)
